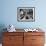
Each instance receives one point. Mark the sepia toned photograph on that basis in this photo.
(26, 14)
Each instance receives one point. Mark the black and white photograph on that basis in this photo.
(26, 14)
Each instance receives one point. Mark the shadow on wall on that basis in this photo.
(2, 26)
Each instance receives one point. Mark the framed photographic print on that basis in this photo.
(26, 14)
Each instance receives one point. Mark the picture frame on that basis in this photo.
(26, 14)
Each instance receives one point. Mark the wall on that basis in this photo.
(8, 15)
